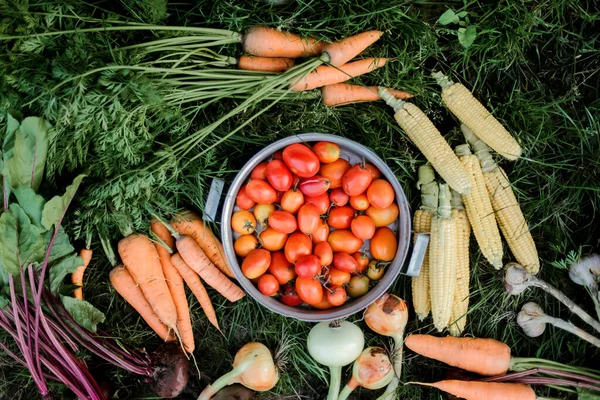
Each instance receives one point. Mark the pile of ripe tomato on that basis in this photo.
(303, 219)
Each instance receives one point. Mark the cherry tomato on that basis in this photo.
(375, 270)
(262, 212)
(358, 286)
(340, 217)
(323, 251)
(256, 263)
(321, 202)
(338, 197)
(243, 222)
(383, 244)
(261, 192)
(268, 285)
(361, 259)
(334, 172)
(283, 221)
(327, 152)
(289, 296)
(292, 200)
(281, 268)
(323, 304)
(308, 218)
(336, 296)
(380, 193)
(279, 176)
(314, 186)
(383, 216)
(277, 155)
(272, 240)
(297, 245)
(245, 244)
(301, 160)
(243, 201)
(309, 290)
(321, 233)
(337, 277)
(363, 227)
(308, 266)
(374, 171)
(259, 172)
(344, 262)
(356, 180)
(344, 240)
(360, 202)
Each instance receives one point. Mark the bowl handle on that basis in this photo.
(418, 254)
(212, 200)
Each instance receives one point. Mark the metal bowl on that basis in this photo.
(353, 152)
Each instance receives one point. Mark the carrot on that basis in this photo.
(483, 356)
(77, 276)
(267, 64)
(269, 42)
(193, 255)
(188, 223)
(175, 284)
(125, 285)
(197, 288)
(327, 75)
(141, 259)
(340, 94)
(473, 390)
(344, 50)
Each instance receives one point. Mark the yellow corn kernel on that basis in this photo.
(473, 114)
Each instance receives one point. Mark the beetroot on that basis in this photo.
(171, 372)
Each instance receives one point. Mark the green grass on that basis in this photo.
(534, 63)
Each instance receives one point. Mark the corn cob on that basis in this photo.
(479, 209)
(442, 261)
(422, 224)
(458, 319)
(506, 207)
(472, 113)
(429, 141)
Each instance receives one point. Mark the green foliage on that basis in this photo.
(83, 312)
(55, 208)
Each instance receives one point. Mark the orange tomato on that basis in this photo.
(323, 304)
(243, 222)
(362, 260)
(327, 152)
(243, 201)
(297, 245)
(356, 180)
(340, 217)
(334, 172)
(380, 193)
(338, 197)
(374, 171)
(308, 218)
(256, 263)
(260, 171)
(384, 244)
(283, 222)
(336, 296)
(262, 212)
(337, 277)
(272, 240)
(360, 202)
(281, 268)
(383, 216)
(344, 240)
(268, 285)
(321, 202)
(261, 192)
(363, 227)
(292, 200)
(245, 244)
(324, 253)
(321, 233)
(309, 290)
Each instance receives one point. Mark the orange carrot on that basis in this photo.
(473, 390)
(125, 285)
(344, 50)
(193, 255)
(77, 276)
(340, 94)
(266, 64)
(483, 356)
(269, 42)
(141, 260)
(175, 284)
(188, 223)
(196, 286)
(327, 75)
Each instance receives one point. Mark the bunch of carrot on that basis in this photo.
(152, 276)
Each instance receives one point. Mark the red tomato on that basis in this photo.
(308, 218)
(336, 296)
(279, 176)
(256, 263)
(309, 290)
(340, 217)
(245, 244)
(383, 216)
(292, 200)
(321, 233)
(338, 197)
(260, 171)
(383, 245)
(344, 262)
(356, 180)
(321, 202)
(289, 296)
(281, 268)
(327, 152)
(334, 172)
(337, 277)
(363, 227)
(344, 240)
(261, 192)
(323, 251)
(243, 201)
(283, 222)
(301, 160)
(272, 240)
(374, 171)
(380, 193)
(268, 285)
(297, 245)
(361, 259)
(323, 304)
(308, 266)
(277, 156)
(360, 202)
(314, 186)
